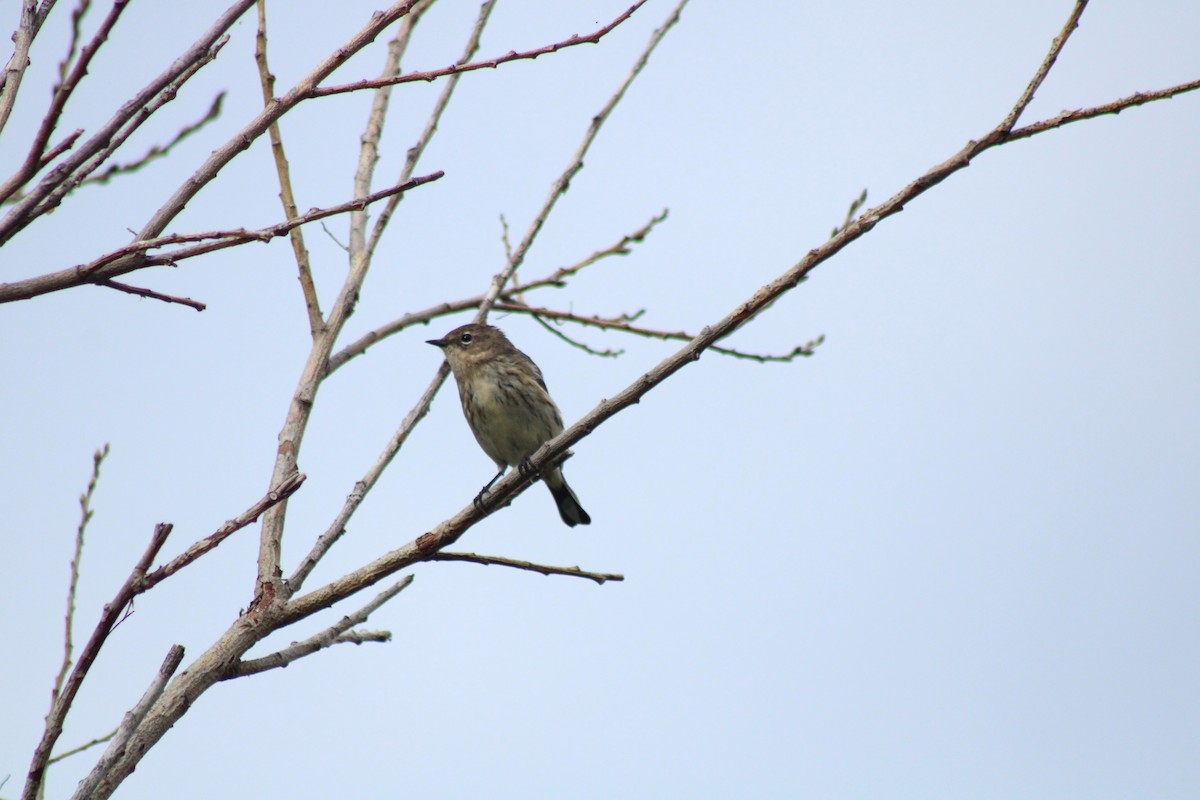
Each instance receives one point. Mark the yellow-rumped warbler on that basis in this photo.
(505, 401)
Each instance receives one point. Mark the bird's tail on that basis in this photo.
(568, 504)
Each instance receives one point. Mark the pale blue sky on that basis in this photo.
(952, 555)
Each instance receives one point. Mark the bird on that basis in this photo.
(507, 407)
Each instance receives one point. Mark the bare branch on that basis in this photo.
(66, 183)
(77, 15)
(557, 279)
(134, 256)
(14, 71)
(166, 298)
(25, 210)
(85, 746)
(159, 150)
(1043, 70)
(277, 495)
(559, 186)
(270, 587)
(338, 527)
(85, 508)
(335, 634)
(132, 719)
(806, 349)
(591, 351)
(454, 69)
(1115, 107)
(599, 577)
(435, 115)
(378, 22)
(286, 195)
(109, 617)
(63, 92)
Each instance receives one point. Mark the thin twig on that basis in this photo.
(573, 342)
(151, 95)
(277, 495)
(338, 527)
(1115, 107)
(159, 150)
(556, 279)
(599, 577)
(85, 746)
(1043, 70)
(804, 350)
(77, 15)
(492, 63)
(62, 93)
(140, 292)
(68, 183)
(86, 512)
(337, 633)
(559, 187)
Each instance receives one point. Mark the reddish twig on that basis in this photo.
(492, 63)
(140, 292)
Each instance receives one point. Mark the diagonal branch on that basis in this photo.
(109, 617)
(1043, 70)
(159, 150)
(74, 751)
(24, 211)
(86, 512)
(277, 495)
(140, 292)
(14, 71)
(63, 92)
(286, 194)
(337, 633)
(128, 725)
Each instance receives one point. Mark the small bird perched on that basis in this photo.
(505, 401)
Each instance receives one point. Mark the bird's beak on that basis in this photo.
(436, 342)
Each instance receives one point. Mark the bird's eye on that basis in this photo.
(465, 338)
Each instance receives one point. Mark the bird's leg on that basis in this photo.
(484, 490)
(526, 468)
